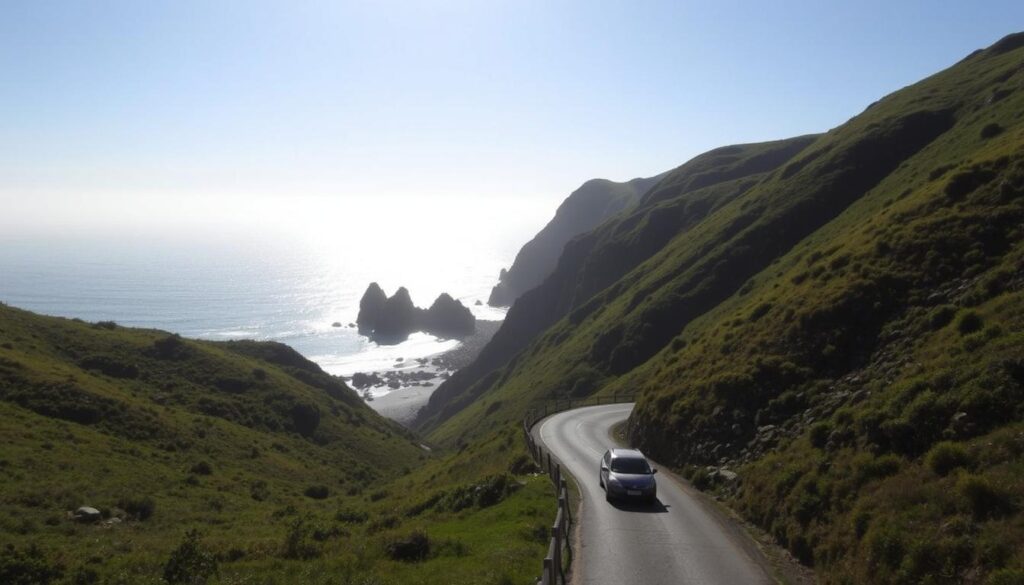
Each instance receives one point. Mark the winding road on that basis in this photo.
(681, 540)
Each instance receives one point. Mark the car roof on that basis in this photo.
(627, 454)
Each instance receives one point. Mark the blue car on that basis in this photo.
(626, 474)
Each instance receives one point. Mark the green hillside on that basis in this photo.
(839, 323)
(593, 261)
(286, 475)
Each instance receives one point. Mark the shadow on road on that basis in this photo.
(655, 507)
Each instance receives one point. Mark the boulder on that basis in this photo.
(87, 514)
(361, 380)
(336, 324)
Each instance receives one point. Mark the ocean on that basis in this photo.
(286, 282)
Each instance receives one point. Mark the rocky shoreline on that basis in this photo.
(400, 391)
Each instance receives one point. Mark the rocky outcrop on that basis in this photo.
(390, 320)
(448, 317)
(398, 317)
(586, 208)
(370, 308)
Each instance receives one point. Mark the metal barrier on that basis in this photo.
(559, 549)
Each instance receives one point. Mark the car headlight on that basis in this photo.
(613, 479)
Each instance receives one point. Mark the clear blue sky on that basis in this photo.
(122, 104)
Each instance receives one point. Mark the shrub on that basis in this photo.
(109, 366)
(351, 516)
(105, 325)
(942, 316)
(984, 500)
(138, 508)
(170, 347)
(878, 468)
(523, 465)
(27, 566)
(969, 323)
(317, 492)
(298, 543)
(991, 130)
(819, 434)
(190, 563)
(259, 490)
(946, 456)
(202, 468)
(1006, 577)
(412, 548)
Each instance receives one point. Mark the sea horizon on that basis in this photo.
(286, 287)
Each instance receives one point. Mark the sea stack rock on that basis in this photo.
(390, 320)
(398, 317)
(371, 306)
(448, 317)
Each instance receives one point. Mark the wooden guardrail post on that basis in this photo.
(563, 498)
(556, 538)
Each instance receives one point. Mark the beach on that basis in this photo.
(416, 379)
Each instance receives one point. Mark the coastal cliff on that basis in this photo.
(594, 202)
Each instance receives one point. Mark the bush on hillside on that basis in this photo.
(941, 316)
(969, 322)
(983, 499)
(109, 366)
(1006, 577)
(947, 456)
(298, 542)
(28, 566)
(317, 492)
(991, 131)
(137, 508)
(190, 563)
(411, 548)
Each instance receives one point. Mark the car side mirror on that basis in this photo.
(653, 471)
(604, 467)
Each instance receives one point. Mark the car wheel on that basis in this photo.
(607, 495)
(600, 481)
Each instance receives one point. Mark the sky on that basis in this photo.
(210, 111)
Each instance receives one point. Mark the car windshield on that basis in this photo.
(630, 465)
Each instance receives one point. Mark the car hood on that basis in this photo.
(631, 479)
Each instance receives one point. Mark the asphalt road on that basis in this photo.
(680, 540)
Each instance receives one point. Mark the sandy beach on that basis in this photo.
(416, 380)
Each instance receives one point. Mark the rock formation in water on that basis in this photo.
(391, 319)
(370, 308)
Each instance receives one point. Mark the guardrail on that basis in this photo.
(559, 548)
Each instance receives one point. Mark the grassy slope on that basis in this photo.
(825, 329)
(597, 259)
(224, 437)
